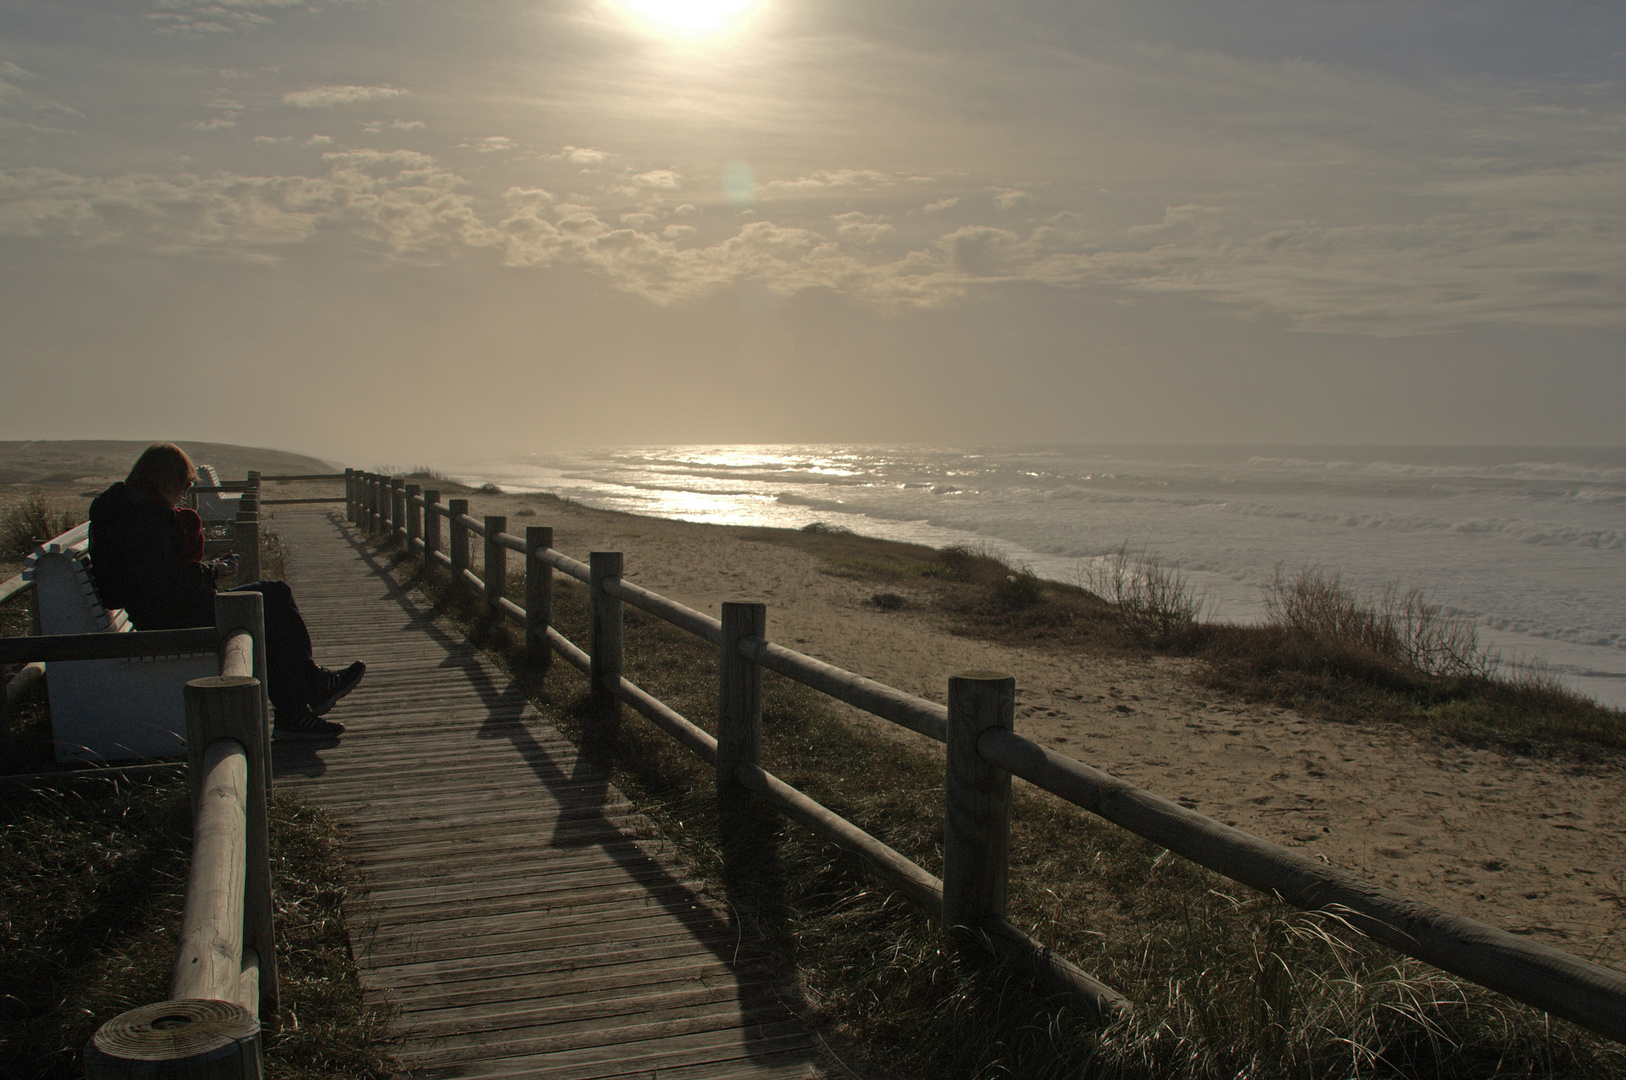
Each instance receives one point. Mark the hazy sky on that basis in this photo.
(388, 231)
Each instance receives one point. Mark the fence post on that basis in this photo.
(739, 694)
(246, 611)
(604, 629)
(431, 525)
(350, 495)
(459, 538)
(496, 564)
(248, 534)
(376, 515)
(221, 1039)
(976, 820)
(538, 596)
(414, 514)
(397, 507)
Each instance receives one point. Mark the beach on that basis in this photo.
(1532, 845)
(1535, 845)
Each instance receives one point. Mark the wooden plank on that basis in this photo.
(512, 910)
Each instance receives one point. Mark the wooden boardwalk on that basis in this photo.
(509, 912)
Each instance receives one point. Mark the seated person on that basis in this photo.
(146, 556)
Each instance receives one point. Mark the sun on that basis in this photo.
(690, 18)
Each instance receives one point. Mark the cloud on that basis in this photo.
(326, 97)
(1010, 198)
(581, 155)
(940, 205)
(203, 18)
(404, 202)
(215, 123)
(376, 126)
(319, 140)
(659, 179)
(826, 179)
(859, 227)
(491, 144)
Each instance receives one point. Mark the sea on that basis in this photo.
(1527, 541)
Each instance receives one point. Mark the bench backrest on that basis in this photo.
(215, 506)
(64, 593)
(105, 710)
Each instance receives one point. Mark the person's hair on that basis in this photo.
(161, 468)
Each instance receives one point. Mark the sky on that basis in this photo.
(398, 231)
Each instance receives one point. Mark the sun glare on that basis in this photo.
(690, 18)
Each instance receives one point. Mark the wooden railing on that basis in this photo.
(225, 974)
(983, 753)
(245, 539)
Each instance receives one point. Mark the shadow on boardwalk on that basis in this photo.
(515, 919)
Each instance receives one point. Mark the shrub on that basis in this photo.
(32, 522)
(1401, 626)
(1153, 604)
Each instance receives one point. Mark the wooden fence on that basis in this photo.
(983, 753)
(225, 973)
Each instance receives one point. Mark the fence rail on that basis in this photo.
(224, 977)
(983, 753)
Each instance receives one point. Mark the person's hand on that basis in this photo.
(226, 565)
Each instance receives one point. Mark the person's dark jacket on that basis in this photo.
(147, 558)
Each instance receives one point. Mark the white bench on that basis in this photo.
(215, 507)
(105, 710)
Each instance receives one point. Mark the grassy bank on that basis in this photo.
(90, 907)
(1225, 984)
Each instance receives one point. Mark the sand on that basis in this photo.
(1535, 846)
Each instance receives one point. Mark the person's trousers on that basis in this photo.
(289, 668)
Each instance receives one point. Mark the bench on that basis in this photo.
(215, 507)
(105, 710)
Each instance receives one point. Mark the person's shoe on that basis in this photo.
(333, 685)
(305, 725)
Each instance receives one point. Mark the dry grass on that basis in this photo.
(31, 522)
(90, 903)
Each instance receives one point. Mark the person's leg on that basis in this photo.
(289, 668)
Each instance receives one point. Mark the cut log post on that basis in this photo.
(350, 495)
(431, 525)
(538, 596)
(177, 1040)
(414, 517)
(604, 630)
(739, 695)
(495, 565)
(976, 820)
(459, 538)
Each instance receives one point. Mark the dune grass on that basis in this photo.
(1224, 983)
